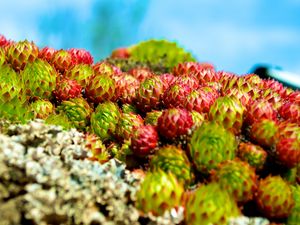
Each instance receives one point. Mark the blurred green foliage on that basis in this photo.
(160, 51)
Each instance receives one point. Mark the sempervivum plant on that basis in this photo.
(127, 124)
(20, 53)
(173, 159)
(253, 154)
(62, 60)
(229, 112)
(94, 144)
(274, 85)
(42, 108)
(288, 151)
(244, 97)
(8, 77)
(160, 191)
(3, 41)
(254, 80)
(287, 129)
(103, 68)
(141, 73)
(13, 100)
(294, 97)
(82, 73)
(81, 56)
(294, 217)
(214, 91)
(258, 110)
(174, 123)
(66, 89)
(167, 80)
(187, 79)
(204, 72)
(175, 95)
(78, 111)
(152, 117)
(263, 132)
(210, 204)
(210, 145)
(47, 53)
(198, 118)
(60, 119)
(238, 178)
(241, 84)
(39, 79)
(230, 140)
(274, 197)
(2, 56)
(100, 88)
(149, 94)
(207, 75)
(120, 53)
(169, 54)
(200, 101)
(224, 77)
(144, 140)
(126, 88)
(116, 70)
(186, 68)
(128, 108)
(104, 120)
(290, 111)
(272, 97)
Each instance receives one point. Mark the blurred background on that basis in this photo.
(233, 35)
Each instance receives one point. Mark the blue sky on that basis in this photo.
(234, 35)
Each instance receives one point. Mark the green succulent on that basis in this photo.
(127, 123)
(94, 144)
(294, 217)
(229, 112)
(20, 53)
(2, 56)
(210, 204)
(60, 119)
(238, 178)
(290, 175)
(121, 152)
(128, 108)
(13, 101)
(78, 111)
(253, 154)
(41, 108)
(102, 68)
(39, 78)
(198, 118)
(173, 159)
(104, 120)
(159, 192)
(101, 88)
(160, 52)
(82, 73)
(210, 145)
(152, 117)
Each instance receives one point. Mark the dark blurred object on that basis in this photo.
(289, 79)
